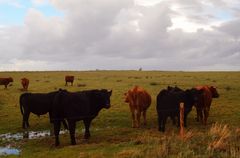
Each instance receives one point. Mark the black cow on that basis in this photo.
(37, 103)
(76, 106)
(168, 102)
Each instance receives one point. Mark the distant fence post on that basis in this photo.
(181, 120)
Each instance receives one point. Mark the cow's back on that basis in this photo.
(168, 100)
(139, 98)
(73, 105)
(39, 103)
(205, 99)
(143, 99)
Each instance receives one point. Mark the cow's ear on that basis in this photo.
(110, 92)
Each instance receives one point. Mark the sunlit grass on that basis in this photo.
(112, 135)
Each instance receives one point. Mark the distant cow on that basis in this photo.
(37, 103)
(76, 106)
(204, 102)
(168, 101)
(6, 81)
(139, 100)
(69, 79)
(25, 83)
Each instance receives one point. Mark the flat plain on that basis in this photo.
(111, 131)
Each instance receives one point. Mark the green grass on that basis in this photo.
(112, 135)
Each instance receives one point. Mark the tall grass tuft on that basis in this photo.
(222, 134)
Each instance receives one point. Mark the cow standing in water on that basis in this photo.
(6, 81)
(69, 79)
(76, 106)
(25, 83)
(204, 102)
(139, 100)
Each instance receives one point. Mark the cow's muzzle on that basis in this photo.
(107, 106)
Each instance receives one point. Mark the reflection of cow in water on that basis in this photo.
(69, 79)
(139, 100)
(6, 81)
(204, 102)
(37, 103)
(76, 106)
(25, 83)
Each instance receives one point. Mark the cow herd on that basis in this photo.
(69, 107)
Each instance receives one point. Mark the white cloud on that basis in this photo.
(113, 34)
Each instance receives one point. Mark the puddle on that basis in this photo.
(28, 135)
(9, 151)
(37, 134)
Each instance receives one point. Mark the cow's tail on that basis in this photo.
(21, 101)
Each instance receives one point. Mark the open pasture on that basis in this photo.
(111, 131)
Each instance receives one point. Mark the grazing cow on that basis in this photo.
(204, 102)
(37, 103)
(6, 81)
(139, 100)
(168, 101)
(69, 79)
(76, 106)
(25, 83)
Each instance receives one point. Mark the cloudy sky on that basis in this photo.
(188, 35)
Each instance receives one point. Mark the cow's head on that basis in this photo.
(10, 79)
(214, 92)
(105, 98)
(126, 96)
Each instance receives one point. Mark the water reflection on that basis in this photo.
(9, 151)
(28, 135)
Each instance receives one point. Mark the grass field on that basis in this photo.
(111, 132)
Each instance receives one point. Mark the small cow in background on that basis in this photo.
(6, 81)
(204, 102)
(25, 83)
(139, 100)
(69, 79)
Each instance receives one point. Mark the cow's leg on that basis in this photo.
(206, 114)
(144, 117)
(198, 114)
(201, 115)
(164, 123)
(87, 123)
(72, 83)
(72, 127)
(173, 120)
(57, 125)
(138, 118)
(25, 123)
(159, 123)
(185, 120)
(133, 118)
(65, 124)
(66, 83)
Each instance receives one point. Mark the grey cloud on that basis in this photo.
(112, 34)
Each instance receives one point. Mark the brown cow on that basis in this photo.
(6, 81)
(25, 83)
(69, 79)
(139, 100)
(204, 102)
